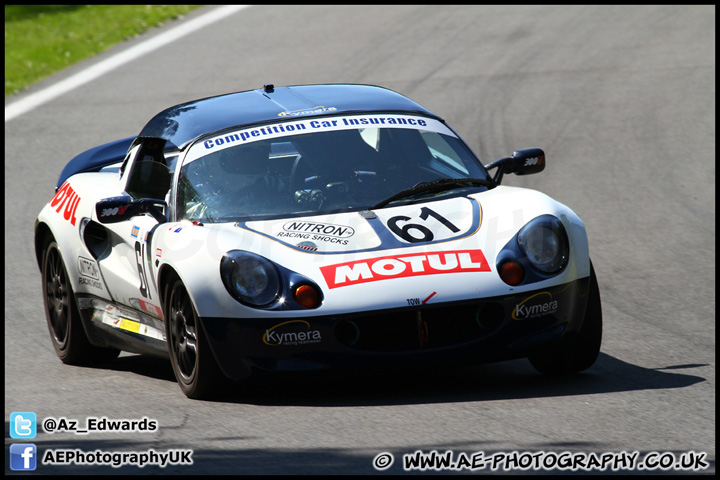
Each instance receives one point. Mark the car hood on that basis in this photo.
(391, 254)
(486, 220)
(367, 231)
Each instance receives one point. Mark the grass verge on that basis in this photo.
(41, 40)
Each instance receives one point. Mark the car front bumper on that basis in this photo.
(473, 331)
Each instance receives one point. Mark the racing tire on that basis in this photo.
(63, 317)
(193, 363)
(583, 351)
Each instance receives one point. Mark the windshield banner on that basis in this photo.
(322, 124)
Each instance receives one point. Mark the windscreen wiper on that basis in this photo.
(434, 186)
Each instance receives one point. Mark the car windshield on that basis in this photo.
(322, 165)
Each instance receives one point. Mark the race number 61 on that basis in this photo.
(416, 232)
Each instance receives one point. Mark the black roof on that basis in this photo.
(185, 122)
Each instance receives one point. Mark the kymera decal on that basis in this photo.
(292, 332)
(537, 305)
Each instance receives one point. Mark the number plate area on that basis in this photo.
(430, 222)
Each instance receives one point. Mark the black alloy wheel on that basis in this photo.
(583, 351)
(193, 362)
(63, 318)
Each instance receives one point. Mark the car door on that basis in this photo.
(127, 265)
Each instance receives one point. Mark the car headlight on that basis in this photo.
(545, 244)
(250, 278)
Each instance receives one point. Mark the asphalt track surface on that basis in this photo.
(622, 100)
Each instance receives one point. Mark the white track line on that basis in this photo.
(30, 102)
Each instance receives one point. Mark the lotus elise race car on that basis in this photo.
(315, 227)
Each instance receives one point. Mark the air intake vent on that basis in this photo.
(419, 329)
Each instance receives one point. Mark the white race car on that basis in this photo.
(315, 227)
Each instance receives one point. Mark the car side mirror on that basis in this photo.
(525, 161)
(124, 207)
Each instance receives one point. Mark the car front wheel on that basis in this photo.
(193, 363)
(582, 352)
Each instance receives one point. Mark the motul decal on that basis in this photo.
(398, 266)
(68, 198)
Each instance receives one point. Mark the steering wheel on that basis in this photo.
(296, 182)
